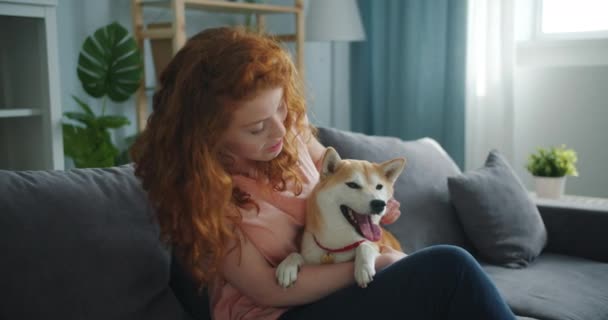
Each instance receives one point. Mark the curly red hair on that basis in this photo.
(177, 157)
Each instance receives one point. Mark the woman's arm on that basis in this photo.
(255, 278)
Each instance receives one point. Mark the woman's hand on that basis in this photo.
(392, 212)
(387, 257)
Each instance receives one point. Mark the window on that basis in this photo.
(572, 19)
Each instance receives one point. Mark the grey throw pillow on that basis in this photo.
(427, 216)
(497, 213)
(81, 244)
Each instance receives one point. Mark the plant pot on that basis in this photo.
(550, 187)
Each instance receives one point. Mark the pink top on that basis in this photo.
(273, 231)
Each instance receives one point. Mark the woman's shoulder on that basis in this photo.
(306, 161)
(310, 148)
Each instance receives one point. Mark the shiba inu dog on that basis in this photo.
(343, 215)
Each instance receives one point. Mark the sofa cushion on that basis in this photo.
(555, 287)
(427, 217)
(497, 213)
(81, 244)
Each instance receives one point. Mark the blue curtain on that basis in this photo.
(408, 77)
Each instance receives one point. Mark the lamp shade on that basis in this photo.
(334, 20)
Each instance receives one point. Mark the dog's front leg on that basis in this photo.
(287, 271)
(365, 260)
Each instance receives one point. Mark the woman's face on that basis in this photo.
(257, 128)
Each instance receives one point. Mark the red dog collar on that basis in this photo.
(343, 249)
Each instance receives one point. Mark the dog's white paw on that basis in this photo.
(287, 271)
(364, 273)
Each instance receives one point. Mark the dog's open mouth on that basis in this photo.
(362, 223)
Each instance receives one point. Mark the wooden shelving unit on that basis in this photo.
(175, 30)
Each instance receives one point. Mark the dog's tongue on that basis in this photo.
(370, 230)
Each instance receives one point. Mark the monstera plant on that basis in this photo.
(109, 67)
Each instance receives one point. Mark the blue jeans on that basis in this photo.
(439, 282)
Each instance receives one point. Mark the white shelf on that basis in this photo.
(30, 107)
(21, 112)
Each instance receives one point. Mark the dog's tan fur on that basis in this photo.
(314, 221)
(350, 195)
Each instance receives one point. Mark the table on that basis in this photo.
(575, 200)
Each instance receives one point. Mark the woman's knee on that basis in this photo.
(450, 251)
(440, 269)
(448, 256)
(439, 261)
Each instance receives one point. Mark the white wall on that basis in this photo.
(561, 97)
(76, 19)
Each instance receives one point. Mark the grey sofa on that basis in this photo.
(83, 244)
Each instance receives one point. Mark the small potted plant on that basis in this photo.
(550, 168)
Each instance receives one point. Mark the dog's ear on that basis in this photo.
(331, 158)
(393, 168)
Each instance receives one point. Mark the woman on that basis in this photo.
(228, 159)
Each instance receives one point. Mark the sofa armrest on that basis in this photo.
(575, 229)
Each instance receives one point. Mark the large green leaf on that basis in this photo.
(88, 118)
(89, 147)
(112, 121)
(82, 118)
(77, 141)
(110, 63)
(84, 106)
(104, 153)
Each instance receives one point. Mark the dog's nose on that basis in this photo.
(377, 206)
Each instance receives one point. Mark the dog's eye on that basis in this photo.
(353, 185)
(378, 187)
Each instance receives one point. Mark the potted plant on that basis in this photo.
(109, 66)
(550, 168)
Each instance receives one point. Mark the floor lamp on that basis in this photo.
(333, 20)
